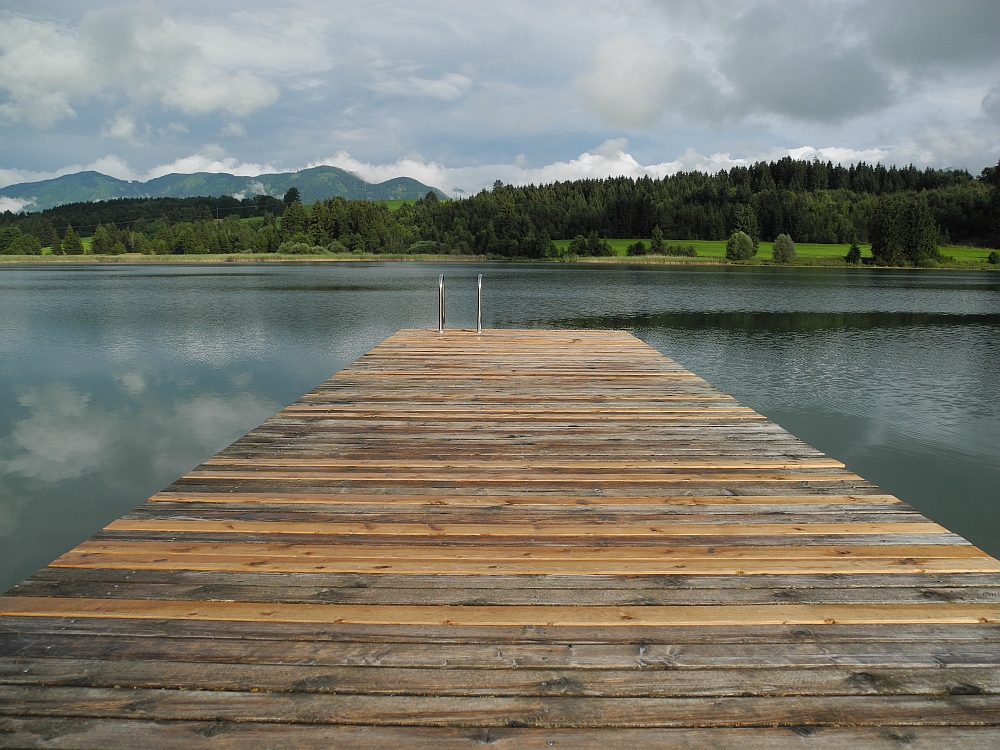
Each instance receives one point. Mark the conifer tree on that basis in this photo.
(746, 222)
(102, 243)
(72, 244)
(55, 243)
(294, 221)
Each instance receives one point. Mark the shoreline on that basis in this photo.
(655, 260)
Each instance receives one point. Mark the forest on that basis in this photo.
(904, 213)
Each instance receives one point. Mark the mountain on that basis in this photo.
(314, 184)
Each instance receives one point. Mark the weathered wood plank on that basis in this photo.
(70, 734)
(463, 536)
(771, 614)
(541, 711)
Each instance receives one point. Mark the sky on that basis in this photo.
(460, 94)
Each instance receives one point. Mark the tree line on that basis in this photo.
(905, 213)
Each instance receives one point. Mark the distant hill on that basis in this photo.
(314, 184)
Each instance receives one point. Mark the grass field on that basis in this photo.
(710, 250)
(806, 251)
(394, 204)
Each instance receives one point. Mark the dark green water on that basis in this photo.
(115, 380)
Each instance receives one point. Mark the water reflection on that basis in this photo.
(783, 321)
(116, 380)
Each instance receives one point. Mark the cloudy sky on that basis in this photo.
(459, 94)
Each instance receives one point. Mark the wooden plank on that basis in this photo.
(595, 683)
(562, 711)
(773, 614)
(464, 536)
(192, 735)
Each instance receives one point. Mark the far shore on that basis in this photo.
(652, 260)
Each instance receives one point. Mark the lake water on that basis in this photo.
(117, 379)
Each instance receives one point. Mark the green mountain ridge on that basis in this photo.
(317, 183)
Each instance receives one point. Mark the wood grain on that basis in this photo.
(520, 538)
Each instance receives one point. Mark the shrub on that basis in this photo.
(8, 234)
(26, 244)
(656, 244)
(598, 247)
(784, 249)
(687, 251)
(739, 247)
(903, 232)
(993, 258)
(577, 245)
(636, 248)
(336, 246)
(300, 248)
(426, 247)
(853, 255)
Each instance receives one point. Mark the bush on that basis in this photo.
(636, 248)
(784, 249)
(903, 232)
(591, 245)
(599, 248)
(687, 251)
(8, 234)
(336, 246)
(426, 247)
(300, 248)
(993, 258)
(26, 244)
(739, 247)
(853, 255)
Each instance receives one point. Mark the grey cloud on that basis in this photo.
(923, 34)
(811, 60)
(468, 84)
(792, 59)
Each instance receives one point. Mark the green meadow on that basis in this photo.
(809, 253)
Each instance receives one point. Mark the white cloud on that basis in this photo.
(203, 92)
(131, 51)
(13, 204)
(61, 439)
(447, 88)
(113, 166)
(475, 83)
(124, 128)
(43, 70)
(610, 159)
(630, 81)
(429, 173)
(233, 130)
(211, 158)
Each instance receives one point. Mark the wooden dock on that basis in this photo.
(521, 539)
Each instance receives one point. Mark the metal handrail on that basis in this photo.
(479, 304)
(441, 303)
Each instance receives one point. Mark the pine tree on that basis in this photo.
(294, 221)
(319, 220)
(746, 222)
(184, 241)
(55, 243)
(102, 243)
(903, 231)
(72, 244)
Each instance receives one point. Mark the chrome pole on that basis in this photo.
(479, 305)
(441, 303)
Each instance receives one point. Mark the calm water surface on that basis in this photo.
(115, 380)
